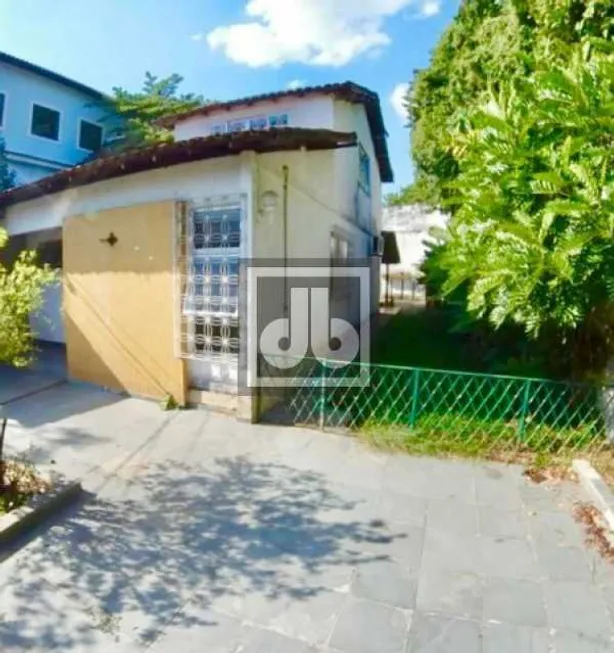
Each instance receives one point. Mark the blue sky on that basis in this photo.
(231, 48)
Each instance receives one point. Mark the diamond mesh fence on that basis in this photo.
(437, 410)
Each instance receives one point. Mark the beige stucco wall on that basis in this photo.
(119, 300)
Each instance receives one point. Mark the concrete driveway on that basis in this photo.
(202, 534)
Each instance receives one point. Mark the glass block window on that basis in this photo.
(209, 247)
(216, 228)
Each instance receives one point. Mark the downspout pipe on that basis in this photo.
(286, 176)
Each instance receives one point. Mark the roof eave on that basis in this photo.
(164, 155)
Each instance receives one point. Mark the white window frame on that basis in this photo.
(46, 139)
(364, 155)
(341, 238)
(89, 122)
(186, 255)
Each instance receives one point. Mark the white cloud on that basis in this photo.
(430, 8)
(317, 32)
(397, 99)
(197, 37)
(296, 83)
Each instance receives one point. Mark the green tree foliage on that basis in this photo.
(423, 191)
(8, 178)
(490, 44)
(513, 131)
(21, 293)
(138, 111)
(532, 233)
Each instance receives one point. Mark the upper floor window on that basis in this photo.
(2, 103)
(258, 123)
(280, 120)
(90, 136)
(253, 123)
(45, 122)
(237, 126)
(364, 171)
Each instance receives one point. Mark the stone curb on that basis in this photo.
(17, 522)
(598, 489)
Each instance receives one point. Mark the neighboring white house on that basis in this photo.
(411, 224)
(294, 175)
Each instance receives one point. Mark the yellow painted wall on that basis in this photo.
(119, 301)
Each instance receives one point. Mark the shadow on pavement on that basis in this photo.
(123, 564)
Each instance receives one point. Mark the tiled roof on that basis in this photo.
(49, 74)
(163, 155)
(345, 91)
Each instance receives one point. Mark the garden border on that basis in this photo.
(598, 489)
(40, 507)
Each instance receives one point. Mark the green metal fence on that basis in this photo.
(437, 409)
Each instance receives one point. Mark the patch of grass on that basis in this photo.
(421, 338)
(426, 337)
(480, 439)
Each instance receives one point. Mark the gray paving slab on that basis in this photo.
(508, 638)
(434, 633)
(577, 606)
(388, 582)
(517, 602)
(452, 516)
(495, 521)
(369, 627)
(566, 642)
(257, 640)
(459, 552)
(507, 558)
(457, 594)
(204, 533)
(563, 562)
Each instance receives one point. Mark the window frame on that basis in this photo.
(363, 156)
(95, 124)
(47, 139)
(4, 94)
(335, 260)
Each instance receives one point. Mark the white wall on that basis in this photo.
(411, 224)
(190, 181)
(182, 182)
(48, 323)
(314, 112)
(312, 213)
(353, 117)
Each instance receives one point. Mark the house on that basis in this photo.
(411, 224)
(48, 122)
(152, 238)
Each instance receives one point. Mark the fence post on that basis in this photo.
(414, 399)
(322, 402)
(524, 410)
